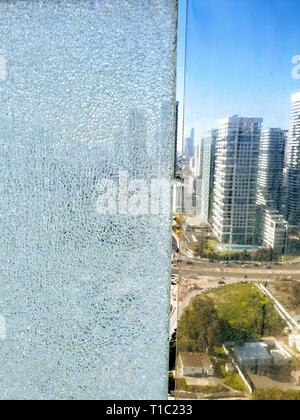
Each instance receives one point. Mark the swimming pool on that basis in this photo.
(238, 248)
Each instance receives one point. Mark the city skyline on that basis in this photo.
(244, 180)
(264, 50)
(200, 137)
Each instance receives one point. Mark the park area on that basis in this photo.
(233, 313)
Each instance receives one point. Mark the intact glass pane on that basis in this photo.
(87, 94)
(237, 202)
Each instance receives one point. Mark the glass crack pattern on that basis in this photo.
(86, 90)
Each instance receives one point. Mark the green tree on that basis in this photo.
(199, 327)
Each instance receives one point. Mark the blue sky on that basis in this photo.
(239, 60)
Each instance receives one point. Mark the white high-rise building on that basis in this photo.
(186, 196)
(271, 227)
(235, 184)
(271, 165)
(207, 165)
(178, 191)
(196, 170)
(274, 230)
(293, 164)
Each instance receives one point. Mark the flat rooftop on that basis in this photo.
(201, 360)
(252, 351)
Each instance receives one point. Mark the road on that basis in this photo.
(189, 268)
(196, 277)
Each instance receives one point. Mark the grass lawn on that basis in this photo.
(245, 312)
(234, 381)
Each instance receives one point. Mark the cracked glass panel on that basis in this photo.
(87, 134)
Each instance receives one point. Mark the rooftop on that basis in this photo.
(252, 351)
(201, 360)
(240, 120)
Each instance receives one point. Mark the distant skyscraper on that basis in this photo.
(293, 164)
(205, 165)
(271, 226)
(120, 150)
(136, 142)
(271, 166)
(176, 138)
(178, 200)
(189, 145)
(196, 170)
(235, 186)
(163, 155)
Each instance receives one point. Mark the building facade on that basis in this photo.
(208, 155)
(195, 364)
(271, 226)
(293, 164)
(176, 138)
(274, 230)
(235, 181)
(271, 165)
(189, 145)
(178, 191)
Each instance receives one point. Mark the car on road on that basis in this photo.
(189, 263)
(222, 282)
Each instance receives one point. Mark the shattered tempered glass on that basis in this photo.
(86, 91)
